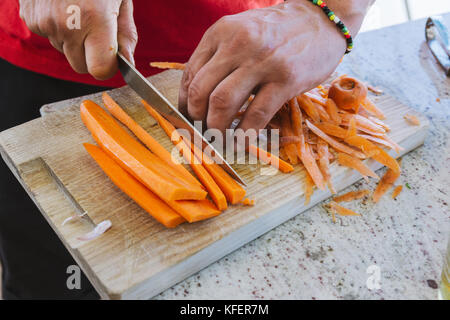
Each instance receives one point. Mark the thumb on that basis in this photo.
(127, 36)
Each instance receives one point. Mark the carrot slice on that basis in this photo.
(332, 110)
(232, 190)
(352, 195)
(358, 165)
(135, 158)
(323, 114)
(324, 162)
(308, 106)
(147, 139)
(316, 98)
(374, 151)
(363, 123)
(286, 130)
(351, 131)
(309, 188)
(397, 191)
(268, 158)
(332, 129)
(411, 119)
(340, 210)
(157, 208)
(386, 141)
(335, 144)
(371, 108)
(310, 164)
(386, 182)
(168, 65)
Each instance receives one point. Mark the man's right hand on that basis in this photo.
(106, 27)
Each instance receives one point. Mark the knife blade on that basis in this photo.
(156, 99)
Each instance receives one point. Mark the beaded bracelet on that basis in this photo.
(333, 17)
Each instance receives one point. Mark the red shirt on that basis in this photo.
(169, 30)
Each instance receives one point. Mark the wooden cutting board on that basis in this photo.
(138, 257)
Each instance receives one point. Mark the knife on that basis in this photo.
(156, 99)
(437, 37)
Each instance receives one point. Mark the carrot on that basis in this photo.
(134, 189)
(351, 131)
(352, 195)
(316, 98)
(286, 130)
(310, 164)
(324, 162)
(340, 210)
(386, 182)
(375, 152)
(232, 190)
(289, 140)
(308, 106)
(384, 141)
(323, 114)
(268, 158)
(147, 139)
(195, 210)
(248, 202)
(358, 165)
(332, 110)
(397, 191)
(332, 129)
(411, 119)
(371, 108)
(335, 144)
(363, 124)
(135, 158)
(168, 65)
(380, 123)
(309, 188)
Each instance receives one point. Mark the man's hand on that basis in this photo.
(276, 53)
(106, 26)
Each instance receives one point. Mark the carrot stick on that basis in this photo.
(397, 191)
(324, 162)
(147, 139)
(168, 65)
(232, 190)
(358, 165)
(268, 158)
(371, 108)
(332, 110)
(286, 130)
(135, 158)
(335, 144)
(310, 164)
(352, 195)
(386, 182)
(308, 106)
(375, 152)
(134, 189)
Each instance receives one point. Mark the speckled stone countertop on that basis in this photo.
(308, 257)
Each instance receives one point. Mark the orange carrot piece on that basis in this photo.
(340, 210)
(335, 144)
(380, 123)
(147, 139)
(289, 140)
(374, 151)
(309, 188)
(135, 158)
(386, 141)
(332, 129)
(323, 114)
(310, 164)
(168, 65)
(324, 162)
(332, 110)
(248, 202)
(371, 108)
(352, 195)
(363, 123)
(358, 165)
(411, 119)
(308, 106)
(232, 190)
(316, 98)
(397, 191)
(286, 130)
(351, 131)
(157, 208)
(268, 158)
(386, 182)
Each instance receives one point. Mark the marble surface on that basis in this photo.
(308, 257)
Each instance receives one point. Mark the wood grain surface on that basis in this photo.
(138, 257)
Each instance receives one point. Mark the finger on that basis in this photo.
(203, 84)
(127, 36)
(202, 54)
(58, 45)
(228, 97)
(100, 46)
(268, 100)
(76, 56)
